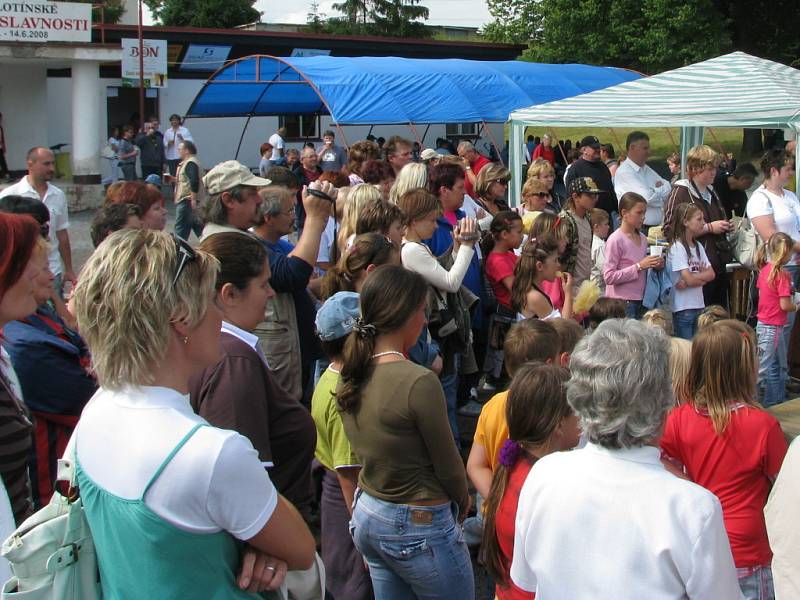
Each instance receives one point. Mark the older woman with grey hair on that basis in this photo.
(610, 516)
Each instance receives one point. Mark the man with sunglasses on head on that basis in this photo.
(287, 334)
(41, 164)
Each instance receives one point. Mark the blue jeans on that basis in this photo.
(758, 584)
(633, 309)
(771, 363)
(412, 551)
(685, 322)
(186, 221)
(450, 388)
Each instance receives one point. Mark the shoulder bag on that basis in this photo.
(52, 552)
(746, 241)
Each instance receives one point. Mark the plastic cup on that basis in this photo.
(656, 250)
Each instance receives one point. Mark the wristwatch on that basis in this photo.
(468, 168)
(638, 267)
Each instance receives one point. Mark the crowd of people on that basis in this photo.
(299, 370)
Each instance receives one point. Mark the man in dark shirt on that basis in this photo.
(590, 165)
(731, 188)
(151, 146)
(292, 267)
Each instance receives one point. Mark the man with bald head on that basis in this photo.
(474, 161)
(36, 184)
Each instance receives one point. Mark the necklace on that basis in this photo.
(388, 352)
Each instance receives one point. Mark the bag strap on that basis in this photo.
(171, 455)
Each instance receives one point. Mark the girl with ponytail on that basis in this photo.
(412, 484)
(539, 422)
(539, 262)
(367, 251)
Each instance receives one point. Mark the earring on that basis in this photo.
(185, 340)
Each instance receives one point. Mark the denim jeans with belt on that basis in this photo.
(412, 551)
(771, 363)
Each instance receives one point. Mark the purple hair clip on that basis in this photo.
(509, 453)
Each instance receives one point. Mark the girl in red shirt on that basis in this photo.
(539, 422)
(728, 444)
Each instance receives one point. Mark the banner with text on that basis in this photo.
(32, 21)
(155, 62)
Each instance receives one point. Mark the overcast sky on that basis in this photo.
(464, 13)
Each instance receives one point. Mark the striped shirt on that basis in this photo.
(15, 448)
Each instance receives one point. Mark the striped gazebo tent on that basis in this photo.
(734, 90)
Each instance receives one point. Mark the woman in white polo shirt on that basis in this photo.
(773, 208)
(175, 505)
(608, 520)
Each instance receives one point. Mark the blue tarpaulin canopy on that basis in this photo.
(388, 90)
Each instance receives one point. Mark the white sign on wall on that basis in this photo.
(41, 21)
(155, 62)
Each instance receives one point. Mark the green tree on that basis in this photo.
(111, 11)
(221, 14)
(397, 18)
(515, 21)
(355, 15)
(315, 19)
(647, 35)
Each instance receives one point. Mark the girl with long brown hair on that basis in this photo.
(729, 445)
(690, 269)
(539, 262)
(539, 422)
(412, 483)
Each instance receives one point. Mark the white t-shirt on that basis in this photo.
(214, 483)
(784, 209)
(600, 523)
(56, 203)
(695, 261)
(277, 144)
(175, 137)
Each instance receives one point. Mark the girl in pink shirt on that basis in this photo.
(626, 256)
(774, 303)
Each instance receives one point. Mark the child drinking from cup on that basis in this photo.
(626, 256)
(690, 269)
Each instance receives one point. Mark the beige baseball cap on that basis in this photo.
(429, 154)
(227, 175)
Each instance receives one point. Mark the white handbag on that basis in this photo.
(52, 552)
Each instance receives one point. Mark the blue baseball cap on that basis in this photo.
(153, 179)
(335, 318)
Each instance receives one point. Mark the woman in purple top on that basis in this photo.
(626, 256)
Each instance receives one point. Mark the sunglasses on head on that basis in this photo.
(186, 254)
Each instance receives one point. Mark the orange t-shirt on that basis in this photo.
(492, 429)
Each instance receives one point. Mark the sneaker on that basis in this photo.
(487, 386)
(470, 409)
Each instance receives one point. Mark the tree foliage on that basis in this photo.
(647, 35)
(386, 18)
(221, 14)
(111, 12)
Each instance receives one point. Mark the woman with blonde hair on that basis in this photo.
(544, 171)
(358, 198)
(491, 188)
(701, 168)
(191, 497)
(411, 177)
(729, 445)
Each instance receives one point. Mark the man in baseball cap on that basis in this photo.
(232, 202)
(589, 165)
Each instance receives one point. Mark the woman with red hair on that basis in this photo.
(19, 235)
(153, 213)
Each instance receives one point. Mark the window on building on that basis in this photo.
(300, 127)
(461, 130)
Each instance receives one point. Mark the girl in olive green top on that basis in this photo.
(412, 482)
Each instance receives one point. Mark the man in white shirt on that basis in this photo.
(608, 520)
(634, 175)
(278, 157)
(36, 184)
(173, 138)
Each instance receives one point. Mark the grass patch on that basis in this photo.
(663, 141)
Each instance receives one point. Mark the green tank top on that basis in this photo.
(143, 556)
